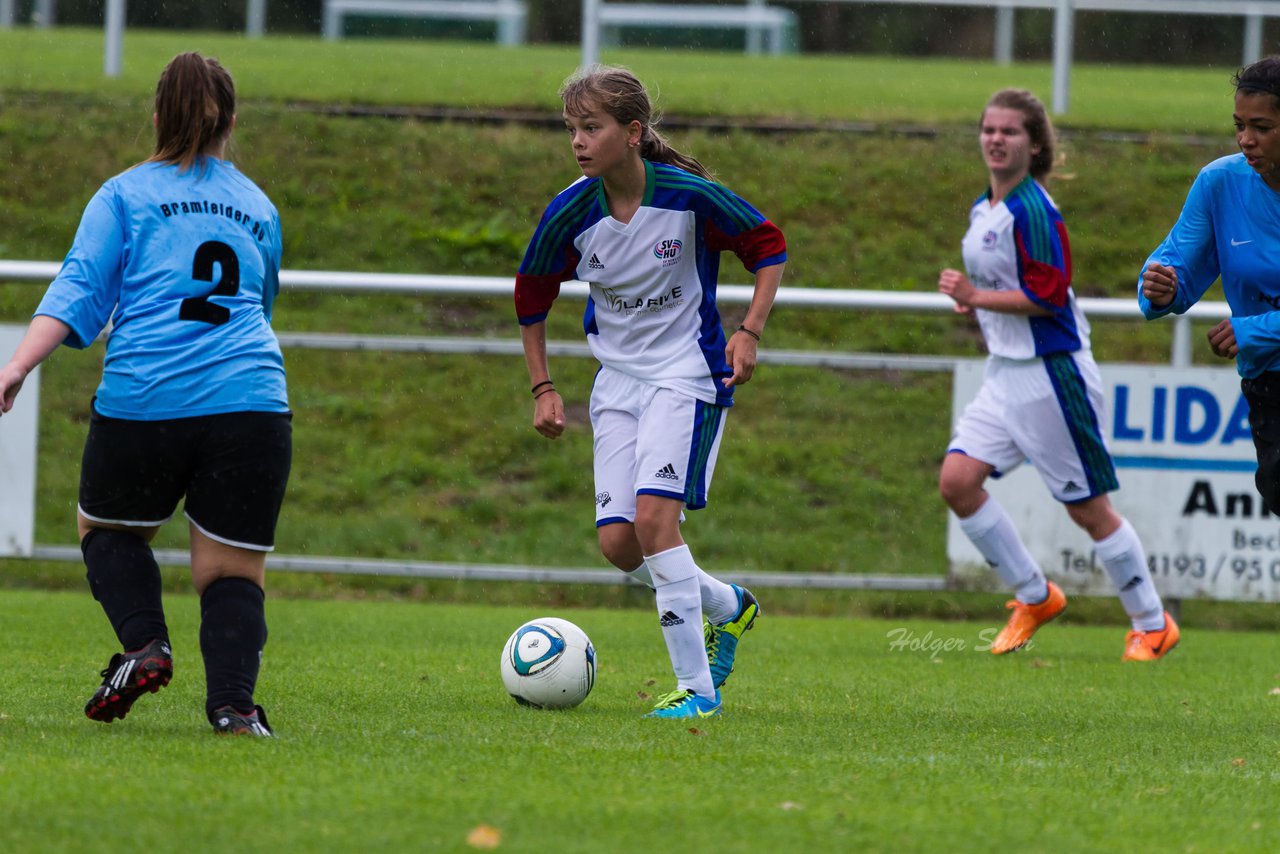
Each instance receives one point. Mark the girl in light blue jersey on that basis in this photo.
(1230, 228)
(645, 227)
(181, 255)
(1041, 396)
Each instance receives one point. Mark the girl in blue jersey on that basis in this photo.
(1230, 228)
(644, 227)
(1041, 396)
(181, 254)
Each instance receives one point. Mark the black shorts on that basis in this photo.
(1263, 394)
(231, 467)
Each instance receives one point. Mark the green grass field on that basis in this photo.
(395, 734)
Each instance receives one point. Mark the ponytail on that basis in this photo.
(654, 146)
(195, 106)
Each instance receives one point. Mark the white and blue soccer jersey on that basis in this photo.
(652, 311)
(1229, 227)
(1020, 244)
(185, 266)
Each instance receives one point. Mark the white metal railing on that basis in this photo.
(39, 272)
(788, 297)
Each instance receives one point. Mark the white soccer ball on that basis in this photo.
(549, 663)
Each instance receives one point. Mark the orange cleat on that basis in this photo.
(1148, 646)
(1026, 619)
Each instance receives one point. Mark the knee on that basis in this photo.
(650, 529)
(1096, 516)
(962, 494)
(619, 545)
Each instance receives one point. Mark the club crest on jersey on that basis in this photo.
(668, 251)
(989, 240)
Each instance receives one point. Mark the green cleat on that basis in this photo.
(722, 640)
(683, 703)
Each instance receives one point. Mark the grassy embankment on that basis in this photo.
(431, 457)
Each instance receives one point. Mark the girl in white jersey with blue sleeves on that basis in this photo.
(1230, 228)
(1041, 397)
(644, 227)
(181, 254)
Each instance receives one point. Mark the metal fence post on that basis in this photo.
(1252, 39)
(1180, 357)
(1004, 35)
(255, 19)
(113, 58)
(1063, 32)
(590, 32)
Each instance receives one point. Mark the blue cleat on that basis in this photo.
(683, 703)
(722, 640)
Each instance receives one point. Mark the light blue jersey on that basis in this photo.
(185, 266)
(1229, 227)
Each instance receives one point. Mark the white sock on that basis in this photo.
(679, 599)
(641, 573)
(1126, 563)
(992, 531)
(719, 600)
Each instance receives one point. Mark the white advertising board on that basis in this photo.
(1185, 459)
(18, 457)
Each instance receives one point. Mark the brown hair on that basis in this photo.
(620, 94)
(195, 104)
(1035, 120)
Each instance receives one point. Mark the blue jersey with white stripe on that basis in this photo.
(1229, 228)
(185, 266)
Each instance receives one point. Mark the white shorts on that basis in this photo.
(1047, 410)
(650, 441)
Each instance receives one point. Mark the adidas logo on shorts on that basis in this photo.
(667, 472)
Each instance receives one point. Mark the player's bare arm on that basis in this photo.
(42, 338)
(744, 342)
(967, 296)
(548, 406)
(1159, 284)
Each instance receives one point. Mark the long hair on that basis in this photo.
(620, 94)
(1261, 77)
(1035, 120)
(195, 104)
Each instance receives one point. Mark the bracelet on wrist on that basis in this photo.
(544, 391)
(534, 390)
(755, 335)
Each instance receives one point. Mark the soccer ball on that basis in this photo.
(549, 663)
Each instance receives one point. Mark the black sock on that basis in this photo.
(233, 631)
(125, 579)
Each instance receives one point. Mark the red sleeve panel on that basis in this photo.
(761, 246)
(1044, 282)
